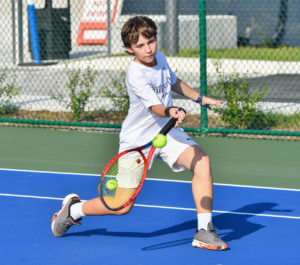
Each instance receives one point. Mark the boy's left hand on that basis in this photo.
(211, 101)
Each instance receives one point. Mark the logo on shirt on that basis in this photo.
(163, 87)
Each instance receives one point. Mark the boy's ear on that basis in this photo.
(129, 50)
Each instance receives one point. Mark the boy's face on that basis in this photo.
(144, 51)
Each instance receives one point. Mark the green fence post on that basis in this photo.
(203, 77)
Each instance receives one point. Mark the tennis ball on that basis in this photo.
(111, 184)
(159, 140)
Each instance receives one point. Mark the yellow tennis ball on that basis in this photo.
(159, 140)
(111, 184)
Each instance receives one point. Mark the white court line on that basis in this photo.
(164, 180)
(158, 206)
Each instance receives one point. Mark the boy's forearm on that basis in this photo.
(159, 110)
(185, 90)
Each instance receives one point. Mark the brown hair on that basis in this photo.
(136, 26)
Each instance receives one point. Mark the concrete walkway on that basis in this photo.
(37, 83)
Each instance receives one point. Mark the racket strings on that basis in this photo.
(127, 171)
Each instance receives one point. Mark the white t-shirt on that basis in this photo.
(147, 86)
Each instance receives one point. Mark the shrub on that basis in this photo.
(7, 92)
(117, 94)
(241, 110)
(80, 86)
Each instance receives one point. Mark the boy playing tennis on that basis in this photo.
(150, 83)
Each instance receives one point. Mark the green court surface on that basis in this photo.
(259, 162)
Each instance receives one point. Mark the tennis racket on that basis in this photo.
(123, 177)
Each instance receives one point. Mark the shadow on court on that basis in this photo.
(165, 231)
(239, 224)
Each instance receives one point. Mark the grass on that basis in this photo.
(291, 121)
(282, 53)
(282, 122)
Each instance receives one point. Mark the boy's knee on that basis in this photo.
(204, 161)
(202, 168)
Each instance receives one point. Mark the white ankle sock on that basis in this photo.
(203, 220)
(76, 211)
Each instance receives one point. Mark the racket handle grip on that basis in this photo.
(170, 124)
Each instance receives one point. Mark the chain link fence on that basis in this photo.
(63, 63)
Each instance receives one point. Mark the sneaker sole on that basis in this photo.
(67, 198)
(199, 244)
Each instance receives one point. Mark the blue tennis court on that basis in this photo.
(261, 225)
